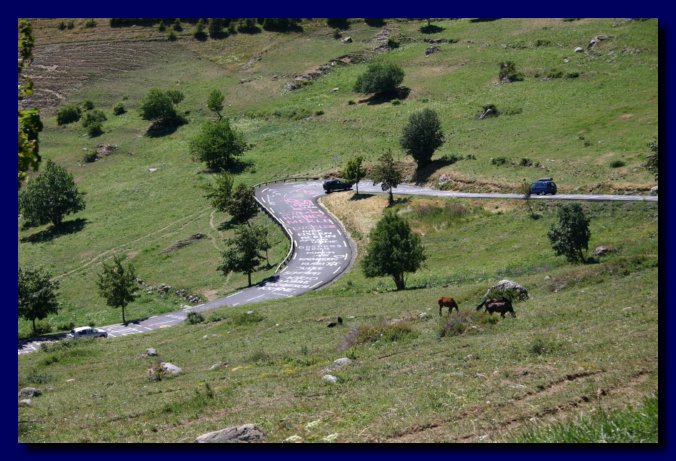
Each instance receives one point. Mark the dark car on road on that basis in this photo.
(543, 186)
(336, 184)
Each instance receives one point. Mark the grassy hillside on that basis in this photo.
(565, 353)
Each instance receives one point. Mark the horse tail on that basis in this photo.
(481, 305)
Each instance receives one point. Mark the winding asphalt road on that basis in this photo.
(320, 249)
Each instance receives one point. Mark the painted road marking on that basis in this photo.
(316, 284)
(337, 269)
(255, 297)
(339, 232)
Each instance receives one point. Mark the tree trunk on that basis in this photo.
(267, 257)
(391, 198)
(249, 275)
(357, 186)
(399, 281)
(124, 321)
(33, 326)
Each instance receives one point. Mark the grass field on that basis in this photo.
(564, 354)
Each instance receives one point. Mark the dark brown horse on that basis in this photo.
(500, 305)
(448, 302)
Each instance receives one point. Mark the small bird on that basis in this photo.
(338, 321)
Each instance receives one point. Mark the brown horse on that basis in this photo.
(448, 302)
(500, 305)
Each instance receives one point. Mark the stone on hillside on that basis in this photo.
(338, 363)
(432, 49)
(293, 439)
(330, 379)
(29, 392)
(347, 40)
(424, 316)
(236, 434)
(151, 352)
(579, 49)
(653, 190)
(170, 368)
(602, 250)
(507, 289)
(25, 403)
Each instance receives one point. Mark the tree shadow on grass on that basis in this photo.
(380, 98)
(161, 128)
(423, 174)
(360, 196)
(227, 225)
(431, 29)
(67, 227)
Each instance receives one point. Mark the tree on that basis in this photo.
(177, 25)
(37, 295)
(68, 114)
(387, 173)
(218, 145)
(118, 285)
(264, 241)
(422, 136)
(93, 122)
(571, 234)
(243, 252)
(380, 78)
(159, 105)
(29, 121)
(50, 196)
(393, 250)
(354, 172)
(199, 31)
(215, 102)
(652, 163)
(215, 28)
(220, 194)
(243, 206)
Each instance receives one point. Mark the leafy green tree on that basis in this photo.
(160, 105)
(199, 33)
(218, 145)
(243, 206)
(50, 196)
(387, 173)
(652, 163)
(354, 171)
(380, 78)
(162, 27)
(264, 241)
(393, 250)
(29, 121)
(215, 27)
(220, 194)
(119, 109)
(118, 285)
(177, 25)
(422, 136)
(37, 295)
(243, 252)
(215, 102)
(570, 236)
(93, 122)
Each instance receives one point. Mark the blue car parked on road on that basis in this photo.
(543, 186)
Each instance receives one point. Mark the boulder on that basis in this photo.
(602, 250)
(25, 403)
(151, 352)
(293, 439)
(507, 289)
(170, 368)
(653, 190)
(237, 434)
(347, 40)
(29, 392)
(338, 363)
(431, 49)
(579, 49)
(330, 379)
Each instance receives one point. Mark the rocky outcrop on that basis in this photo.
(507, 289)
(246, 433)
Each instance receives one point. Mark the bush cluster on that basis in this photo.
(68, 114)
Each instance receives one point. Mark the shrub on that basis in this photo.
(542, 42)
(337, 34)
(380, 332)
(452, 326)
(68, 114)
(259, 357)
(396, 102)
(554, 73)
(379, 78)
(88, 157)
(61, 26)
(508, 73)
(66, 326)
(248, 26)
(572, 75)
(338, 23)
(451, 158)
(319, 112)
(162, 27)
(392, 43)
(177, 25)
(36, 377)
(171, 37)
(374, 22)
(351, 102)
(617, 163)
(87, 104)
(499, 161)
(525, 161)
(119, 109)
(194, 318)
(90, 23)
(246, 319)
